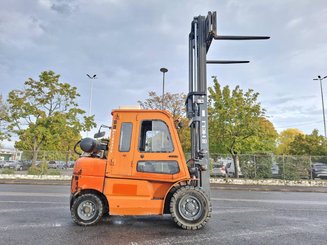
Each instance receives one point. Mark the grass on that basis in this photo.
(8, 171)
(53, 172)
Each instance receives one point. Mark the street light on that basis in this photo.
(163, 70)
(91, 89)
(322, 101)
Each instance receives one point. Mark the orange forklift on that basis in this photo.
(142, 170)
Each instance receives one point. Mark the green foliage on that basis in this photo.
(45, 115)
(8, 171)
(4, 119)
(34, 170)
(285, 138)
(41, 169)
(53, 172)
(175, 104)
(263, 166)
(256, 166)
(237, 123)
(295, 167)
(310, 144)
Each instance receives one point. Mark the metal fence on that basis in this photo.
(268, 166)
(255, 166)
(47, 156)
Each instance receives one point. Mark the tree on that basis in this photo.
(285, 138)
(311, 144)
(45, 114)
(237, 123)
(265, 139)
(4, 134)
(175, 104)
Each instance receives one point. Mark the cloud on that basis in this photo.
(294, 22)
(62, 8)
(287, 99)
(126, 42)
(18, 28)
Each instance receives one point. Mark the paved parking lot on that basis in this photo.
(39, 214)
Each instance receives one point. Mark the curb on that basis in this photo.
(215, 183)
(277, 188)
(270, 182)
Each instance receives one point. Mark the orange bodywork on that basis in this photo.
(128, 189)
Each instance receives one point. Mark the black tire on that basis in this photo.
(190, 208)
(87, 209)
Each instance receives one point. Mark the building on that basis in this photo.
(10, 154)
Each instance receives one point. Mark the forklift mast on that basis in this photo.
(203, 31)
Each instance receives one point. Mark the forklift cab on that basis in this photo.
(147, 146)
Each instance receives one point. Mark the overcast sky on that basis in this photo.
(126, 42)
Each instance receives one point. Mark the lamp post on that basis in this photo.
(91, 90)
(322, 101)
(163, 70)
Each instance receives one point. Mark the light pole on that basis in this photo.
(163, 70)
(322, 101)
(91, 89)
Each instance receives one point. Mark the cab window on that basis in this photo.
(125, 137)
(158, 167)
(155, 137)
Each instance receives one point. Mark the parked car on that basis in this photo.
(23, 165)
(62, 165)
(218, 170)
(11, 164)
(319, 170)
(70, 164)
(52, 165)
(230, 170)
(274, 170)
(2, 163)
(57, 165)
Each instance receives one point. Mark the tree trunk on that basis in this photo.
(35, 153)
(236, 165)
(36, 148)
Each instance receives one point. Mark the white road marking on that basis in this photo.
(299, 202)
(34, 194)
(30, 226)
(242, 210)
(12, 210)
(33, 202)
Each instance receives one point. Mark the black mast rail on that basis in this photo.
(203, 31)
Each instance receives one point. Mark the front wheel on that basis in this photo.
(190, 207)
(87, 209)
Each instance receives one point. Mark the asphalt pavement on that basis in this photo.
(39, 214)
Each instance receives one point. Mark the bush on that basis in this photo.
(41, 169)
(34, 170)
(53, 172)
(8, 171)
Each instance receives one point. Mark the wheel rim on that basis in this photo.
(190, 208)
(86, 210)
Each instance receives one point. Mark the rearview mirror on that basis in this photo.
(99, 134)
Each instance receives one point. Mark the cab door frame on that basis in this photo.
(159, 157)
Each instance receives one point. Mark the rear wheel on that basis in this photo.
(190, 207)
(87, 209)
